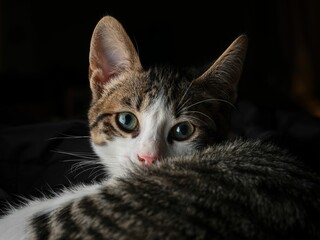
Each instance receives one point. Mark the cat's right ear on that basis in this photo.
(226, 71)
(111, 54)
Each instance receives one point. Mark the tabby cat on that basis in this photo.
(164, 138)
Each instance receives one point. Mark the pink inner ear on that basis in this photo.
(99, 61)
(101, 73)
(108, 71)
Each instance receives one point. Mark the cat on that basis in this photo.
(159, 112)
(175, 171)
(237, 189)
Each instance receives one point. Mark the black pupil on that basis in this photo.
(127, 119)
(183, 129)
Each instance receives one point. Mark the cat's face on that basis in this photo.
(141, 116)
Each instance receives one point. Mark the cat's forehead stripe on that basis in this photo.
(134, 102)
(138, 103)
(99, 119)
(111, 131)
(126, 102)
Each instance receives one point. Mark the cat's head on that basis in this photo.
(141, 115)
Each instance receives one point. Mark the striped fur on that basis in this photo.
(234, 190)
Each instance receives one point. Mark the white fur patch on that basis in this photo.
(14, 225)
(155, 124)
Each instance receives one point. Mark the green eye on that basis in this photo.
(127, 121)
(182, 131)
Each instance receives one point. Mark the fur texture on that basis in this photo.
(159, 99)
(163, 137)
(233, 190)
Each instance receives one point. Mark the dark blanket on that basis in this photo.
(37, 159)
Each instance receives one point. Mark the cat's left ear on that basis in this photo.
(111, 54)
(226, 70)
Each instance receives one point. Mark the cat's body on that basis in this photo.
(234, 190)
(162, 137)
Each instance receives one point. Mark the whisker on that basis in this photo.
(86, 157)
(86, 161)
(181, 108)
(201, 113)
(209, 100)
(102, 173)
(77, 154)
(81, 160)
(66, 136)
(185, 93)
(93, 171)
(83, 165)
(197, 119)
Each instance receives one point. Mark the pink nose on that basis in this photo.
(147, 159)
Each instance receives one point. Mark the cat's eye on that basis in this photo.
(127, 121)
(182, 131)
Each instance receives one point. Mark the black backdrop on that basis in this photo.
(44, 48)
(44, 93)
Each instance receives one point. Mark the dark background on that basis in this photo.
(44, 86)
(44, 47)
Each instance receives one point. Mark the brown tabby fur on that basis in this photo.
(119, 86)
